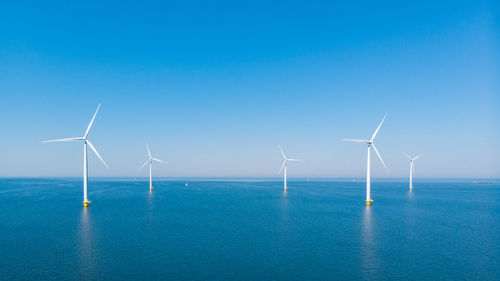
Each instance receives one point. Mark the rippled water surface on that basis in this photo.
(226, 230)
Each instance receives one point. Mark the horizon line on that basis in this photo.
(242, 177)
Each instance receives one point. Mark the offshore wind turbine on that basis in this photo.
(283, 167)
(370, 144)
(150, 161)
(412, 168)
(86, 142)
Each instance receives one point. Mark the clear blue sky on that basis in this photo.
(214, 86)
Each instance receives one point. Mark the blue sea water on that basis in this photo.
(248, 230)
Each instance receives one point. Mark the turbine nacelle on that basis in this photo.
(414, 158)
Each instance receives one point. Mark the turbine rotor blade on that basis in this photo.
(356, 140)
(149, 151)
(378, 128)
(97, 153)
(380, 157)
(158, 160)
(68, 139)
(91, 121)
(408, 156)
(417, 157)
(282, 166)
(294, 160)
(282, 153)
(144, 165)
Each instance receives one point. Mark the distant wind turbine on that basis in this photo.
(370, 144)
(150, 161)
(283, 167)
(86, 141)
(412, 168)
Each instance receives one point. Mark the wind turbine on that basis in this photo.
(370, 144)
(86, 141)
(150, 161)
(283, 167)
(412, 168)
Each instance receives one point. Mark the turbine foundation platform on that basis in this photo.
(86, 203)
(369, 202)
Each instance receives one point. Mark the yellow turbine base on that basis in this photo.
(151, 188)
(285, 188)
(411, 188)
(86, 204)
(369, 202)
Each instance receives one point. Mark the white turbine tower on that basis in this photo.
(370, 144)
(412, 168)
(150, 161)
(283, 167)
(86, 141)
